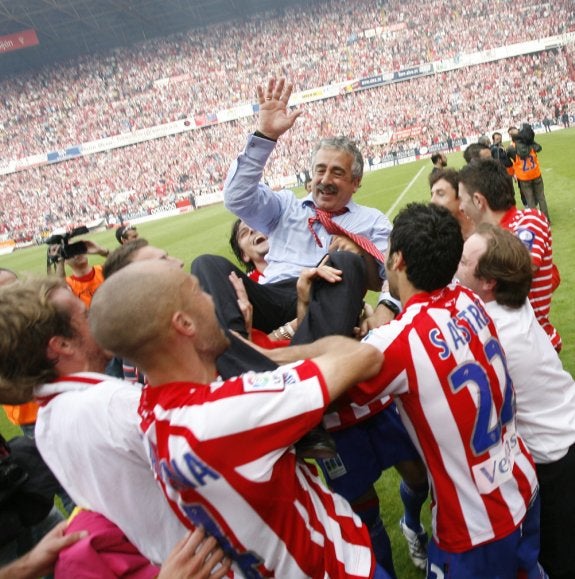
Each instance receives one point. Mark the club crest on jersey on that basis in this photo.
(263, 382)
(527, 237)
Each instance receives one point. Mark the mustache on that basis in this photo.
(326, 188)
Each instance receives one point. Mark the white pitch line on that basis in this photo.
(398, 200)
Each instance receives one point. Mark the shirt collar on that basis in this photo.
(508, 216)
(78, 381)
(434, 296)
(307, 201)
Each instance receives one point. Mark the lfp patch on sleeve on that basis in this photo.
(263, 382)
(527, 237)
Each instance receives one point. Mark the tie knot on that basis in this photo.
(331, 214)
(333, 228)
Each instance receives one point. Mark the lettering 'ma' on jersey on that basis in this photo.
(223, 456)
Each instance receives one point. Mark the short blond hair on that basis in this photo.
(28, 320)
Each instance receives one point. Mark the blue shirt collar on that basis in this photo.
(307, 201)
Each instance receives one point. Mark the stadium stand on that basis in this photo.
(193, 74)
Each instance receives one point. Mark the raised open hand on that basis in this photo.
(275, 118)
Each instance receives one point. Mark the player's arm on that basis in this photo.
(383, 314)
(342, 361)
(345, 362)
(534, 240)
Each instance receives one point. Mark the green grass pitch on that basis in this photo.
(207, 231)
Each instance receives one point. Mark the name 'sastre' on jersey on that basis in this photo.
(472, 318)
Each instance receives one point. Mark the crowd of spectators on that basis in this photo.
(213, 68)
(204, 71)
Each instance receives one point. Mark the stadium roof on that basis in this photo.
(68, 28)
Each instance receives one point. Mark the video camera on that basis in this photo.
(524, 140)
(525, 135)
(67, 250)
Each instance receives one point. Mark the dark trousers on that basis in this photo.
(533, 192)
(333, 309)
(557, 491)
(274, 304)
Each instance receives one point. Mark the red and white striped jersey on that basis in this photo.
(349, 414)
(532, 228)
(223, 455)
(446, 371)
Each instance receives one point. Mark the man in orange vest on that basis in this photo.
(526, 166)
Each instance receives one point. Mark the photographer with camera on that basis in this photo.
(85, 278)
(523, 154)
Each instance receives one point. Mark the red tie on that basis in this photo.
(326, 219)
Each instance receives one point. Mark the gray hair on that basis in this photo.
(345, 144)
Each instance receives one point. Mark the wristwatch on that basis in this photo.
(389, 305)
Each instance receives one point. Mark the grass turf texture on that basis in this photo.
(207, 231)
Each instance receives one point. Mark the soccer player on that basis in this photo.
(223, 451)
(487, 196)
(444, 184)
(87, 435)
(497, 266)
(250, 247)
(446, 370)
(367, 439)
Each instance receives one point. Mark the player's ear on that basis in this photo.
(479, 200)
(183, 323)
(58, 344)
(489, 284)
(58, 347)
(397, 261)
